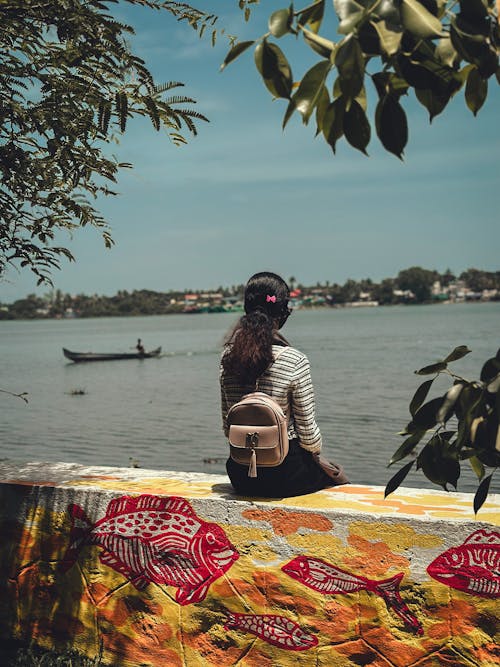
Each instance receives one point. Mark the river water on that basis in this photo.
(164, 413)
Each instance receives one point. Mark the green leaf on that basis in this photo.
(280, 22)
(451, 397)
(466, 453)
(494, 386)
(452, 471)
(274, 69)
(437, 465)
(321, 107)
(105, 115)
(396, 480)
(52, 146)
(337, 90)
(407, 446)
(288, 113)
(369, 41)
(310, 89)
(435, 103)
(477, 466)
(350, 63)
(348, 24)
(472, 38)
(415, 73)
(387, 83)
(489, 457)
(123, 112)
(346, 8)
(324, 47)
(482, 493)
(333, 121)
(432, 368)
(426, 416)
(458, 353)
(490, 369)
(446, 52)
(236, 51)
(420, 396)
(313, 15)
(476, 91)
(473, 10)
(419, 21)
(356, 127)
(361, 99)
(387, 10)
(486, 434)
(152, 111)
(473, 47)
(390, 37)
(391, 125)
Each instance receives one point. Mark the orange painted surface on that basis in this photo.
(373, 559)
(286, 522)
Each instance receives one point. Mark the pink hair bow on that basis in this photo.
(270, 298)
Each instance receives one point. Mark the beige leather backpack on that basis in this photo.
(258, 431)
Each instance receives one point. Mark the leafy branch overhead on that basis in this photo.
(463, 425)
(435, 47)
(69, 85)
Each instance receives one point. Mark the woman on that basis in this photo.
(254, 355)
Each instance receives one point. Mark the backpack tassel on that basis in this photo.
(252, 468)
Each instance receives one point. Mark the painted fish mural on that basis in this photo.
(273, 629)
(328, 579)
(155, 539)
(473, 567)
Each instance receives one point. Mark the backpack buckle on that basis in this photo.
(252, 440)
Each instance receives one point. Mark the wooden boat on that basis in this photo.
(109, 356)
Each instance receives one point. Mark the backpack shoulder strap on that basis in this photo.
(278, 355)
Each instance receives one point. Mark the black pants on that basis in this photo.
(297, 475)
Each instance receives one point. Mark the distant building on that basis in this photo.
(439, 293)
(489, 294)
(404, 294)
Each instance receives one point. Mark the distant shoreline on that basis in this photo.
(413, 286)
(316, 307)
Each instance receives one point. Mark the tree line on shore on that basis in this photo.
(413, 285)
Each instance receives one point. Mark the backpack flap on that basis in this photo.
(259, 437)
(260, 445)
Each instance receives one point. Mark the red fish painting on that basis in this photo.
(155, 539)
(328, 579)
(472, 567)
(273, 629)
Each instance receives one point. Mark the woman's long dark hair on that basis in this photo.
(250, 343)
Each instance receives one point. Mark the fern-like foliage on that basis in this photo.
(198, 19)
(69, 82)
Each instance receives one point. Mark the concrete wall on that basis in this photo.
(168, 569)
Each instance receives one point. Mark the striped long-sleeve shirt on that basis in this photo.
(288, 382)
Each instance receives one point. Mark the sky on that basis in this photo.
(245, 196)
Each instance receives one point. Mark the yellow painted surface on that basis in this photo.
(404, 537)
(417, 503)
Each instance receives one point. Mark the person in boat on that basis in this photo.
(254, 352)
(140, 347)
